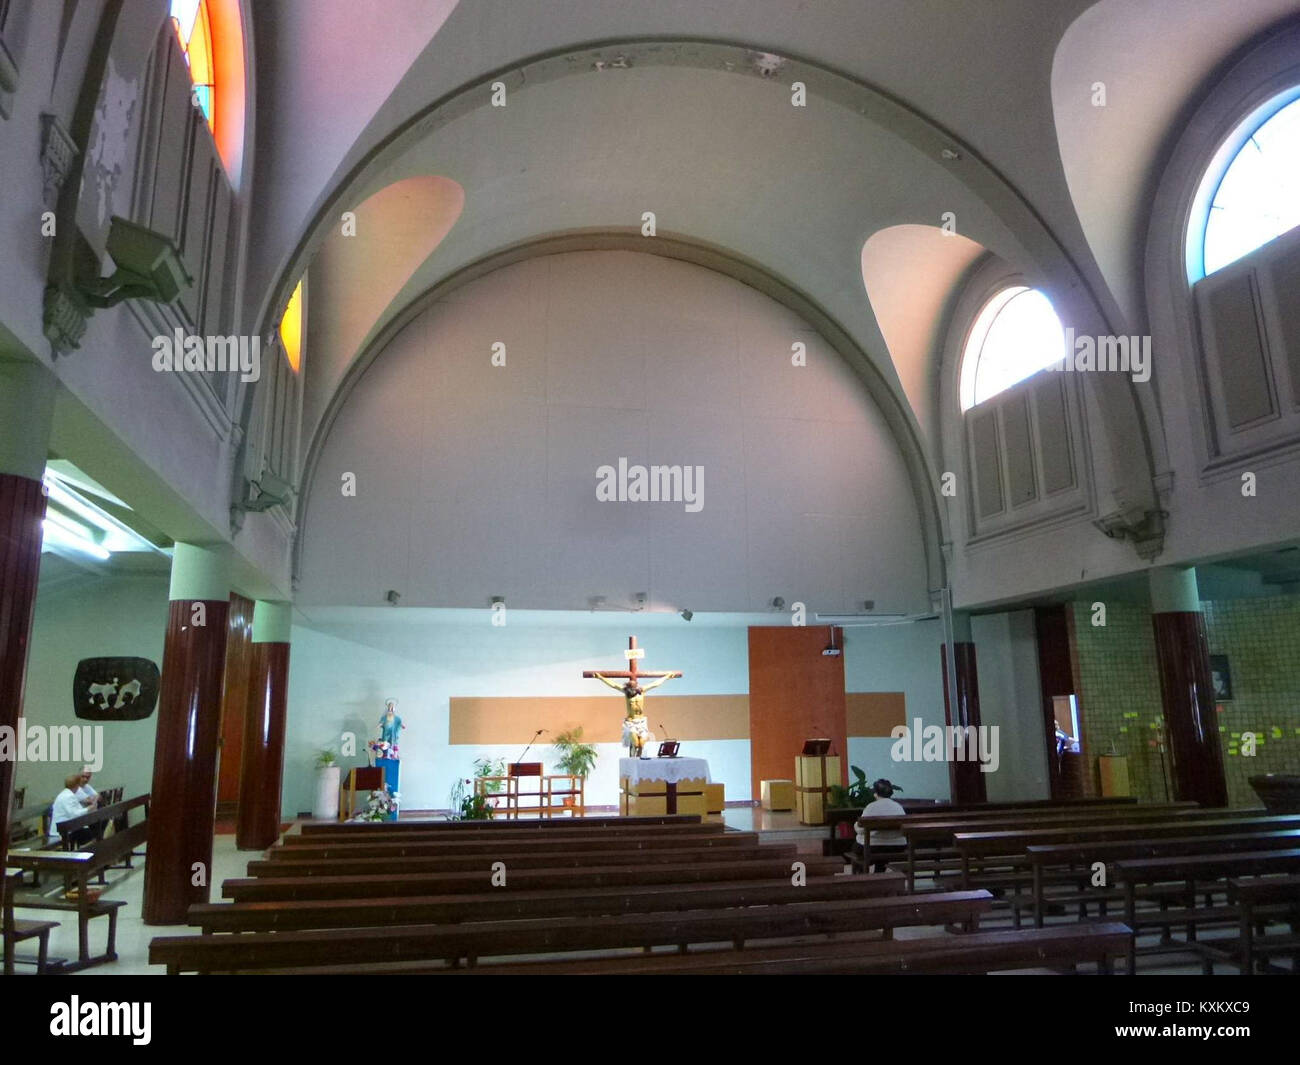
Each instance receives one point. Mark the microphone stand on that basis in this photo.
(530, 745)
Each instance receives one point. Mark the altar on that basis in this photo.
(649, 787)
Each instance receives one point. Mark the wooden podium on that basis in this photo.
(815, 771)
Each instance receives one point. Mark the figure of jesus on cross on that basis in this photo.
(636, 731)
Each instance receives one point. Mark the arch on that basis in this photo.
(911, 274)
(893, 409)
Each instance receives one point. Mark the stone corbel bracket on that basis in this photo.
(1144, 529)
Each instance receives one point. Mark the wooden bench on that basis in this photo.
(552, 858)
(17, 931)
(1191, 872)
(1071, 856)
(577, 824)
(1062, 947)
(1009, 847)
(385, 885)
(518, 905)
(1271, 893)
(841, 819)
(120, 846)
(423, 847)
(510, 831)
(935, 836)
(79, 867)
(245, 952)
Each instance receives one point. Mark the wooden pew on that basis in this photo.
(519, 860)
(935, 835)
(1191, 871)
(1043, 858)
(16, 931)
(322, 828)
(1061, 947)
(424, 847)
(79, 867)
(385, 885)
(837, 817)
(245, 952)
(1010, 845)
(518, 905)
(1250, 896)
(317, 839)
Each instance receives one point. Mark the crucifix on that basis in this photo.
(635, 729)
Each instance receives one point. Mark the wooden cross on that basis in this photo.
(632, 675)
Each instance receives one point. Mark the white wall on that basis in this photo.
(111, 616)
(1006, 658)
(474, 480)
(898, 658)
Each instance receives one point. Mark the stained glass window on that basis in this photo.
(193, 26)
(291, 329)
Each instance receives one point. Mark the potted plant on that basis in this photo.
(468, 805)
(326, 807)
(856, 794)
(490, 789)
(575, 757)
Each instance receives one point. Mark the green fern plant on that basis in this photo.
(576, 757)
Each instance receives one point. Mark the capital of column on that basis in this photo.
(1174, 590)
(26, 414)
(271, 622)
(200, 572)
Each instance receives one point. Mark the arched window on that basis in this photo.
(193, 24)
(1015, 335)
(1252, 189)
(291, 329)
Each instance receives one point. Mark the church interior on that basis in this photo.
(896, 403)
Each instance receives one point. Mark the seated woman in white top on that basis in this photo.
(886, 844)
(67, 806)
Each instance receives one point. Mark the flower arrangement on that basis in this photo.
(383, 749)
(382, 804)
(468, 805)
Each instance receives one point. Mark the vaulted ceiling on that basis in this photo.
(917, 115)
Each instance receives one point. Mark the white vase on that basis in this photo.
(327, 793)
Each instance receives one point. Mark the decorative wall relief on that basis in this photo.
(115, 689)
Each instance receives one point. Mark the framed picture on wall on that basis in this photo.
(114, 689)
(1221, 675)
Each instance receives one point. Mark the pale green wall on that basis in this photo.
(111, 616)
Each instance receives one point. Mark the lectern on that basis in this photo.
(815, 770)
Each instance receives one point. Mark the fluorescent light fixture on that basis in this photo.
(60, 532)
(870, 620)
(115, 535)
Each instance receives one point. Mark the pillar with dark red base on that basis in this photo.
(965, 779)
(182, 812)
(1187, 688)
(262, 766)
(26, 408)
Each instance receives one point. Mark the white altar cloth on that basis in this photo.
(670, 770)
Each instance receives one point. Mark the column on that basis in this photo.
(261, 770)
(26, 412)
(1186, 689)
(965, 779)
(182, 813)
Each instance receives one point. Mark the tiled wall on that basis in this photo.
(1119, 695)
(1261, 638)
(1119, 690)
